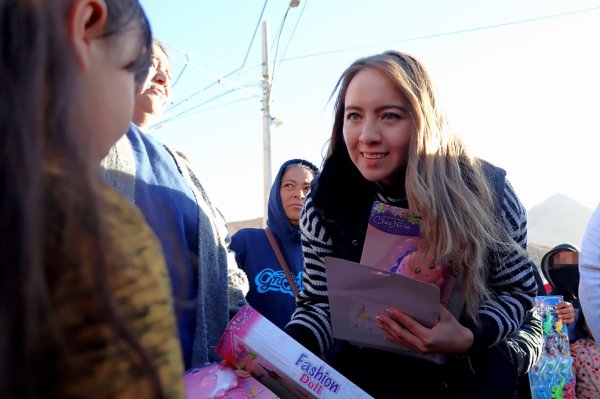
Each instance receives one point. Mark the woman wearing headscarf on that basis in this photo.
(271, 290)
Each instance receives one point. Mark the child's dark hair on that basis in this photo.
(38, 76)
(121, 15)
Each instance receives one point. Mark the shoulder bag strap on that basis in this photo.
(281, 260)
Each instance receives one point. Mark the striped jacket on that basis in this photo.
(510, 279)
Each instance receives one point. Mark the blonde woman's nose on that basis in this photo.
(370, 132)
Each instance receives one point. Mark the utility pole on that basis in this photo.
(266, 109)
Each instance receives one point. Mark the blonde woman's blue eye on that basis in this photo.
(391, 116)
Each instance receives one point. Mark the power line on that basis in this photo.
(186, 112)
(277, 46)
(450, 33)
(187, 61)
(252, 40)
(204, 110)
(294, 30)
(222, 78)
(197, 105)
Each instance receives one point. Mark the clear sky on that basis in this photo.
(520, 81)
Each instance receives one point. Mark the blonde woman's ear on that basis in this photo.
(86, 22)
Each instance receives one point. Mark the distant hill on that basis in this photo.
(536, 252)
(556, 220)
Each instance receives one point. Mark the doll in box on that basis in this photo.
(412, 261)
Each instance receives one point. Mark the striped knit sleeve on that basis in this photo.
(311, 324)
(527, 344)
(510, 279)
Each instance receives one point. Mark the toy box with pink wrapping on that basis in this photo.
(253, 344)
(396, 270)
(393, 244)
(220, 381)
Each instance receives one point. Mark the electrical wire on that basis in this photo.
(189, 112)
(450, 33)
(294, 30)
(187, 61)
(290, 6)
(222, 78)
(251, 41)
(220, 95)
(277, 50)
(203, 110)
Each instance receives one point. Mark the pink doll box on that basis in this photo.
(396, 270)
(393, 244)
(255, 345)
(218, 381)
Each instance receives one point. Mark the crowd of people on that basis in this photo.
(120, 274)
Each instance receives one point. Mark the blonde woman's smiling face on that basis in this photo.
(377, 126)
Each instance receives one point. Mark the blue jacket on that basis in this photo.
(270, 293)
(205, 281)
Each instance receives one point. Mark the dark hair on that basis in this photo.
(121, 14)
(563, 279)
(46, 227)
(292, 163)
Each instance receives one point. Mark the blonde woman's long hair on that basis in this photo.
(445, 184)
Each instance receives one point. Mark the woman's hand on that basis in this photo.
(447, 336)
(566, 312)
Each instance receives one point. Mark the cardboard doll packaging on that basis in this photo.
(253, 344)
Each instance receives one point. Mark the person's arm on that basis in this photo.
(311, 323)
(589, 271)
(513, 287)
(511, 281)
(237, 280)
(237, 245)
(526, 345)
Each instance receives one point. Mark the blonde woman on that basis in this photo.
(390, 142)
